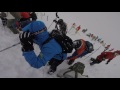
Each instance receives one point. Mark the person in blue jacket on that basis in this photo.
(36, 32)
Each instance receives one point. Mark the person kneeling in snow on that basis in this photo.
(103, 56)
(36, 32)
(82, 48)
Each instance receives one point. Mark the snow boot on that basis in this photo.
(70, 62)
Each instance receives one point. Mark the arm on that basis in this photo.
(40, 60)
(74, 56)
(27, 47)
(26, 28)
(78, 52)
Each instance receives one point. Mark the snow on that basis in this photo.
(102, 24)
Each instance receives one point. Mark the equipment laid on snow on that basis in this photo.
(62, 26)
(54, 20)
(84, 30)
(92, 53)
(73, 71)
(73, 26)
(78, 67)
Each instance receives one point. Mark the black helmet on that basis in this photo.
(76, 44)
(60, 21)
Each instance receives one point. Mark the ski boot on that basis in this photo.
(91, 63)
(51, 71)
(92, 59)
(70, 62)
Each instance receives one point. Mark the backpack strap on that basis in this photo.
(76, 74)
(67, 72)
(46, 41)
(39, 31)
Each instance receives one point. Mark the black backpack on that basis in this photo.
(65, 42)
(89, 47)
(33, 16)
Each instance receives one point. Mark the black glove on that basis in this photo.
(55, 21)
(26, 40)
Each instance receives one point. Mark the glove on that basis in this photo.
(26, 40)
(55, 21)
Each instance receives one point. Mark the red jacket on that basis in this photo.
(106, 55)
(25, 14)
(79, 51)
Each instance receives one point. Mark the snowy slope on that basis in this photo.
(103, 24)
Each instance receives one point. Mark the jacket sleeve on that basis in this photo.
(61, 56)
(41, 59)
(74, 56)
(48, 51)
(26, 28)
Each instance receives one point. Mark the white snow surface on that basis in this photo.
(103, 24)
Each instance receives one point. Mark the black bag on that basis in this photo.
(62, 26)
(33, 16)
(65, 42)
(89, 47)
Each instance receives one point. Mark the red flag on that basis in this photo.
(73, 25)
(78, 28)
(108, 46)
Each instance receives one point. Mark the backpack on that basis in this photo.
(73, 71)
(65, 42)
(78, 67)
(89, 47)
(33, 16)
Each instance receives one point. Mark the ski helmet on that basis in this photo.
(60, 21)
(76, 44)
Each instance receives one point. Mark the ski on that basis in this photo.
(77, 29)
(92, 53)
(73, 26)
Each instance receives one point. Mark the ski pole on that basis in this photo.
(92, 53)
(10, 47)
(54, 19)
(73, 26)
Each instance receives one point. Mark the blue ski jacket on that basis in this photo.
(48, 51)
